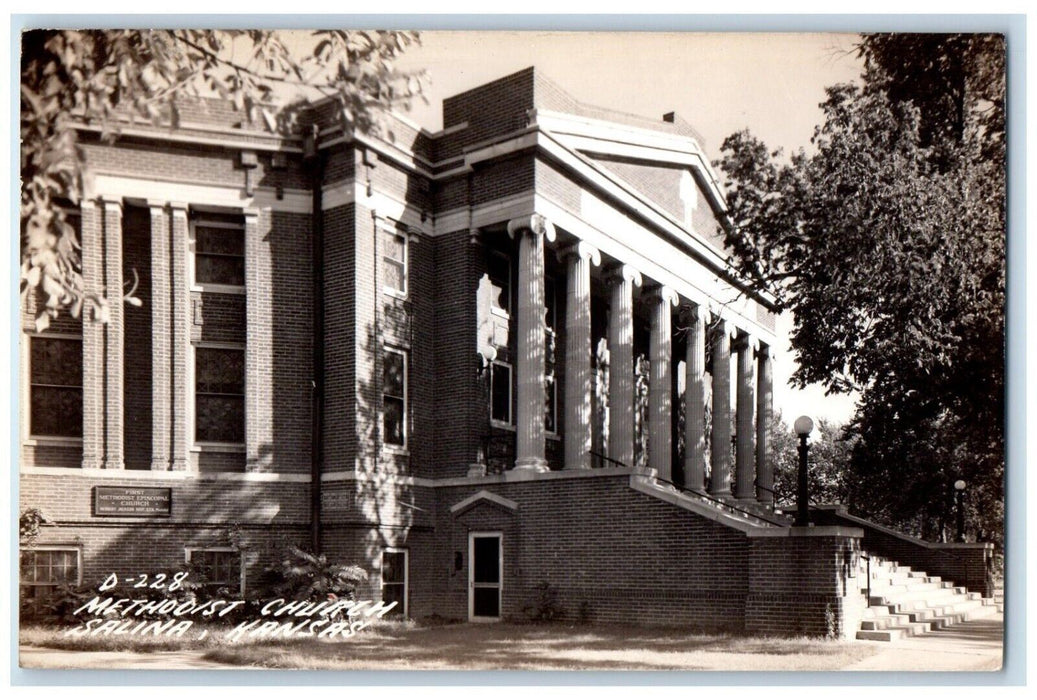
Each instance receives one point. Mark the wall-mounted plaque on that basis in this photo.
(133, 501)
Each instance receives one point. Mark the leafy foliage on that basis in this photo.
(887, 244)
(108, 78)
(313, 577)
(829, 460)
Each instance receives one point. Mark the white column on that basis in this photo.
(720, 443)
(529, 439)
(622, 279)
(695, 400)
(161, 338)
(745, 453)
(114, 336)
(578, 385)
(660, 400)
(764, 409)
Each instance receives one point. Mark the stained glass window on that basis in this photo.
(395, 262)
(500, 392)
(394, 397)
(499, 272)
(219, 395)
(219, 254)
(56, 387)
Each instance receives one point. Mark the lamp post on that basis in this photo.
(803, 427)
(959, 489)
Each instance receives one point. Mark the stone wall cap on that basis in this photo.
(962, 545)
(810, 531)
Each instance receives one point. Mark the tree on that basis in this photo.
(108, 78)
(887, 244)
(827, 476)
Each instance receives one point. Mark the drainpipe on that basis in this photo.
(315, 163)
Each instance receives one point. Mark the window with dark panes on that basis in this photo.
(499, 272)
(395, 262)
(219, 395)
(43, 570)
(219, 254)
(394, 581)
(500, 392)
(55, 387)
(394, 397)
(217, 568)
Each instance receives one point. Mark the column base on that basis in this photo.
(532, 464)
(114, 464)
(92, 463)
(476, 470)
(160, 465)
(181, 465)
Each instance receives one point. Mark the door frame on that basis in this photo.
(471, 574)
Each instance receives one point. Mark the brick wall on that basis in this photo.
(966, 565)
(804, 582)
(620, 555)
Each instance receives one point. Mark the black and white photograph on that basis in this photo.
(511, 350)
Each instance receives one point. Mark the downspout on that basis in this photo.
(315, 164)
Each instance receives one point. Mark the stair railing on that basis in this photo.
(723, 504)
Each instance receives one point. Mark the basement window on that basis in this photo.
(44, 569)
(218, 568)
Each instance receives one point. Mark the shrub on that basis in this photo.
(544, 607)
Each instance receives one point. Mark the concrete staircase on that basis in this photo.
(904, 602)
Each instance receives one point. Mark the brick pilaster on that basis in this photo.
(259, 379)
(92, 241)
(161, 338)
(180, 320)
(114, 336)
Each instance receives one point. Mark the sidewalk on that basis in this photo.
(976, 645)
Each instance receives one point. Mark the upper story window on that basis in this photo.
(219, 395)
(219, 253)
(394, 397)
(394, 262)
(499, 272)
(55, 387)
(500, 393)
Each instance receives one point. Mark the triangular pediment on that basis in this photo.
(483, 496)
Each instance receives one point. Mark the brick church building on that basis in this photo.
(472, 361)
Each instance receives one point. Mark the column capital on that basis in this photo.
(536, 224)
(179, 208)
(694, 311)
(763, 350)
(662, 293)
(622, 272)
(85, 203)
(250, 213)
(743, 340)
(580, 249)
(111, 202)
(156, 205)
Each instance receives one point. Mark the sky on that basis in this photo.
(771, 84)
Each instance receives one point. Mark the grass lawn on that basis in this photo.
(407, 646)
